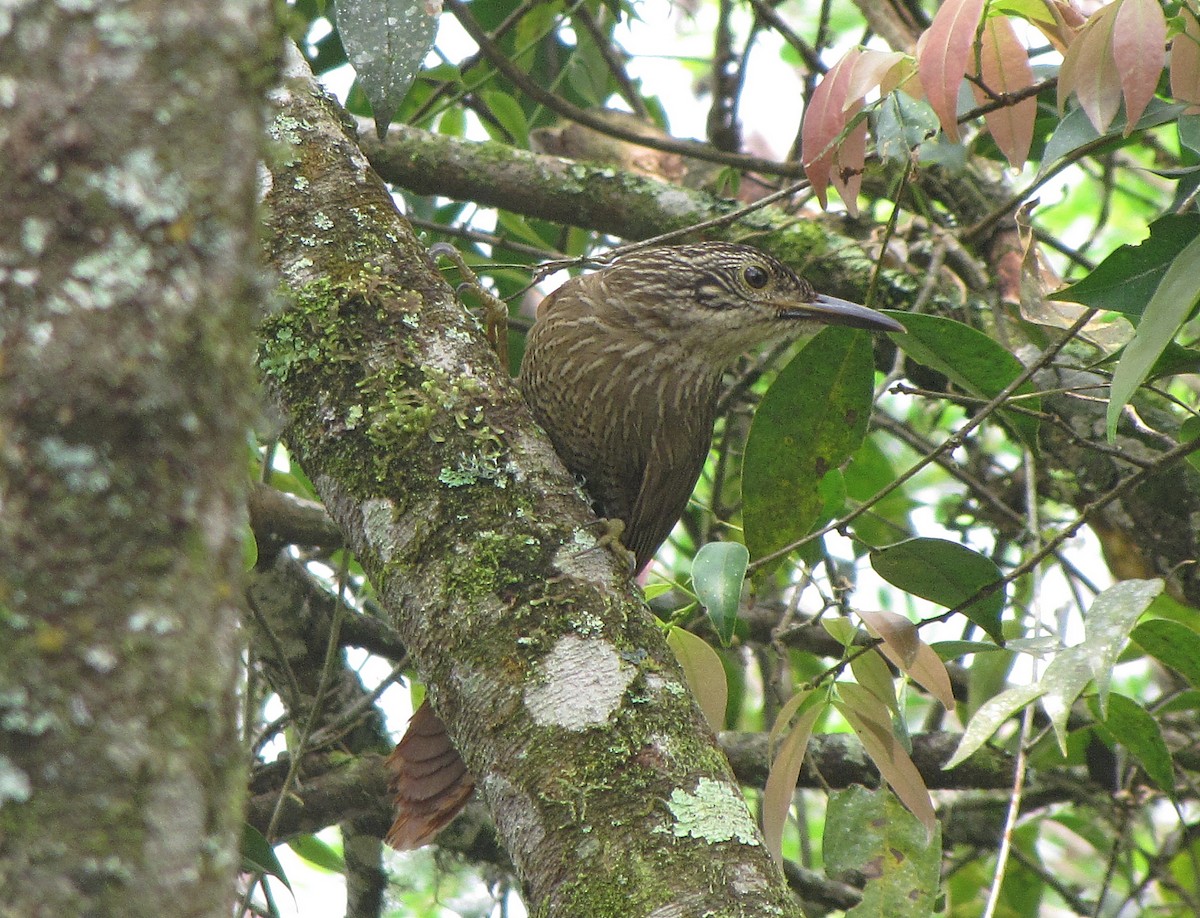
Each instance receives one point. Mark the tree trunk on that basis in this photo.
(605, 784)
(129, 143)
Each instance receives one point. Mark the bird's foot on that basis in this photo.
(495, 310)
(610, 537)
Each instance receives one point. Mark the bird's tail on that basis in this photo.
(429, 781)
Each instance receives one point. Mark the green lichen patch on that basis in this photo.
(713, 812)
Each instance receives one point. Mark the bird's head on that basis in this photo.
(719, 299)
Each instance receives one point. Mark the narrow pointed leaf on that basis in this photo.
(782, 778)
(824, 120)
(1087, 69)
(1004, 67)
(1108, 622)
(987, 720)
(870, 721)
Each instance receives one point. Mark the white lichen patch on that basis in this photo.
(15, 786)
(714, 812)
(580, 683)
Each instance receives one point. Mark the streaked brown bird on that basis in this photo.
(623, 370)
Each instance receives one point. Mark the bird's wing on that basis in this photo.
(674, 465)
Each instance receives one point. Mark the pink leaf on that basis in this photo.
(1004, 63)
(1139, 49)
(1088, 70)
(871, 70)
(824, 122)
(943, 54)
(849, 162)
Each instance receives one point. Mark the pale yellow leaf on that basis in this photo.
(704, 673)
(782, 778)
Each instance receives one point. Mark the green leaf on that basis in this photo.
(1168, 309)
(717, 574)
(946, 573)
(868, 834)
(1133, 727)
(386, 40)
(508, 112)
(259, 857)
(972, 361)
(1076, 131)
(901, 125)
(318, 853)
(1174, 645)
(1126, 280)
(704, 673)
(809, 422)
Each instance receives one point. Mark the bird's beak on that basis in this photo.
(829, 310)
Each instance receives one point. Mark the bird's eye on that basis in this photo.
(756, 276)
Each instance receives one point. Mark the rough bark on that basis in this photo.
(130, 137)
(606, 786)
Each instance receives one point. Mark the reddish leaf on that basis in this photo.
(1088, 70)
(1139, 49)
(1004, 68)
(1185, 62)
(943, 54)
(897, 632)
(824, 122)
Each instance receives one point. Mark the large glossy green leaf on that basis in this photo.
(1126, 280)
(810, 421)
(1169, 307)
(947, 573)
(972, 361)
(386, 40)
